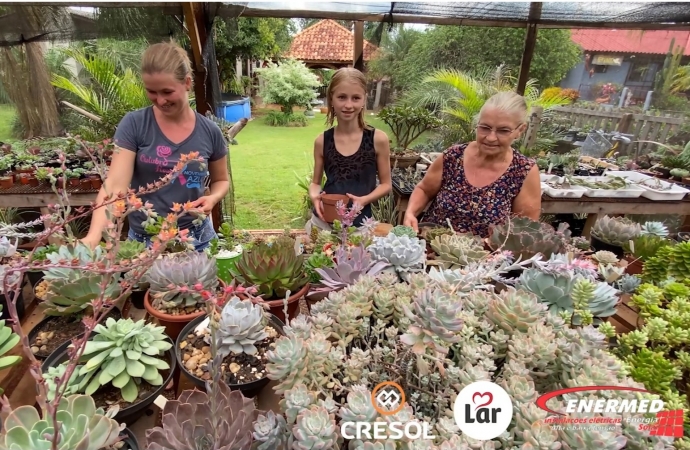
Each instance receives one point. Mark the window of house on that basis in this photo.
(639, 71)
(600, 68)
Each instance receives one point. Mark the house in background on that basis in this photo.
(629, 58)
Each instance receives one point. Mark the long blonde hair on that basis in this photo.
(341, 75)
(167, 57)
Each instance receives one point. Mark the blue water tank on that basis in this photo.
(234, 110)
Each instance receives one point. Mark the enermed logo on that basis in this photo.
(388, 398)
(483, 410)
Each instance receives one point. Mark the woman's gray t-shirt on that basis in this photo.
(156, 156)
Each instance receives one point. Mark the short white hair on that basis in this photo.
(510, 102)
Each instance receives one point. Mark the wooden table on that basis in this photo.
(591, 206)
(25, 196)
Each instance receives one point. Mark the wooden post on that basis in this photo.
(194, 19)
(624, 127)
(358, 56)
(530, 42)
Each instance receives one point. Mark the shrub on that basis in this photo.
(289, 84)
(281, 119)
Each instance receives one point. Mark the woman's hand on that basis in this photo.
(410, 220)
(361, 201)
(205, 203)
(318, 207)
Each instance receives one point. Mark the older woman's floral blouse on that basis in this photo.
(471, 209)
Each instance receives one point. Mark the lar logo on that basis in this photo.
(388, 398)
(483, 410)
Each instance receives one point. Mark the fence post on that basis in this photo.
(621, 101)
(534, 123)
(624, 127)
(647, 101)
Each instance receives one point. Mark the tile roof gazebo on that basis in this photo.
(327, 44)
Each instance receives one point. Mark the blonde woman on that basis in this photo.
(352, 154)
(150, 142)
(483, 182)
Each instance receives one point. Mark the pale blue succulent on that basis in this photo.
(654, 229)
(404, 253)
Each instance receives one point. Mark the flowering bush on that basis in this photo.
(289, 84)
(609, 89)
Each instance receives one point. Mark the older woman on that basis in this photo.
(484, 182)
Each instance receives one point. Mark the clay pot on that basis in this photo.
(323, 110)
(276, 306)
(173, 324)
(96, 181)
(73, 182)
(329, 201)
(634, 266)
(85, 183)
(24, 179)
(33, 181)
(6, 182)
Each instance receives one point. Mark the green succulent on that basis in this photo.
(646, 246)
(458, 250)
(273, 269)
(525, 238)
(675, 289)
(315, 429)
(679, 261)
(627, 284)
(82, 427)
(129, 250)
(174, 279)
(78, 256)
(654, 370)
(190, 422)
(403, 230)
(615, 230)
(74, 295)
(57, 372)
(434, 316)
(656, 268)
(8, 339)
(515, 310)
(124, 352)
(270, 431)
(317, 261)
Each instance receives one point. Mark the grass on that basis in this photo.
(6, 120)
(263, 169)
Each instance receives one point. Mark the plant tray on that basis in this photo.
(675, 193)
(407, 190)
(629, 192)
(572, 192)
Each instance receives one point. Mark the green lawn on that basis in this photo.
(6, 119)
(263, 168)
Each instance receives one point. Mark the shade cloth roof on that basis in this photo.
(626, 41)
(326, 40)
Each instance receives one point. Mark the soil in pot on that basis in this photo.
(53, 331)
(329, 202)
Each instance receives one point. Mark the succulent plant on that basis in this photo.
(605, 257)
(458, 250)
(654, 229)
(72, 296)
(241, 326)
(196, 421)
(270, 431)
(173, 279)
(435, 318)
(580, 243)
(130, 249)
(429, 234)
(403, 230)
(615, 230)
(273, 268)
(402, 252)
(525, 238)
(78, 256)
(349, 267)
(646, 246)
(628, 284)
(82, 427)
(515, 310)
(315, 429)
(8, 339)
(7, 248)
(679, 173)
(317, 261)
(288, 357)
(123, 353)
(679, 261)
(57, 372)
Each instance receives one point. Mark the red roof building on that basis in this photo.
(327, 44)
(631, 41)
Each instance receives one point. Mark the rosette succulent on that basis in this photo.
(82, 427)
(615, 230)
(71, 296)
(7, 248)
(605, 257)
(435, 317)
(273, 268)
(654, 229)
(8, 340)
(77, 256)
(240, 327)
(123, 353)
(515, 310)
(349, 267)
(315, 429)
(525, 238)
(403, 230)
(194, 421)
(402, 252)
(173, 279)
(458, 250)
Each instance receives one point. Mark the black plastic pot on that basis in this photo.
(249, 390)
(34, 277)
(130, 440)
(130, 414)
(576, 226)
(21, 308)
(598, 245)
(137, 298)
(35, 330)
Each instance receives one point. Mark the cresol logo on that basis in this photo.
(387, 398)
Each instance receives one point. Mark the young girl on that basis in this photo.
(352, 153)
(150, 142)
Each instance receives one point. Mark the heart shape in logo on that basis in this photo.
(481, 395)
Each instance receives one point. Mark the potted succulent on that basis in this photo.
(175, 281)
(612, 233)
(653, 236)
(245, 332)
(125, 363)
(277, 270)
(407, 123)
(6, 177)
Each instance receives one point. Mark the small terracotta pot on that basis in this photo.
(276, 306)
(173, 324)
(328, 201)
(85, 183)
(23, 179)
(6, 182)
(96, 181)
(634, 266)
(73, 182)
(323, 110)
(33, 181)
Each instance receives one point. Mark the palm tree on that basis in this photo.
(681, 79)
(458, 97)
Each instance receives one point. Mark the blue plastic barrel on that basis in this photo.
(234, 110)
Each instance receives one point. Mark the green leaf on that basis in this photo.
(133, 354)
(117, 351)
(135, 368)
(93, 386)
(150, 373)
(7, 346)
(117, 365)
(95, 361)
(121, 380)
(129, 391)
(7, 361)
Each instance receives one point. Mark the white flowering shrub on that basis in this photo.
(288, 84)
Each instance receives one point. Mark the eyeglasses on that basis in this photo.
(501, 133)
